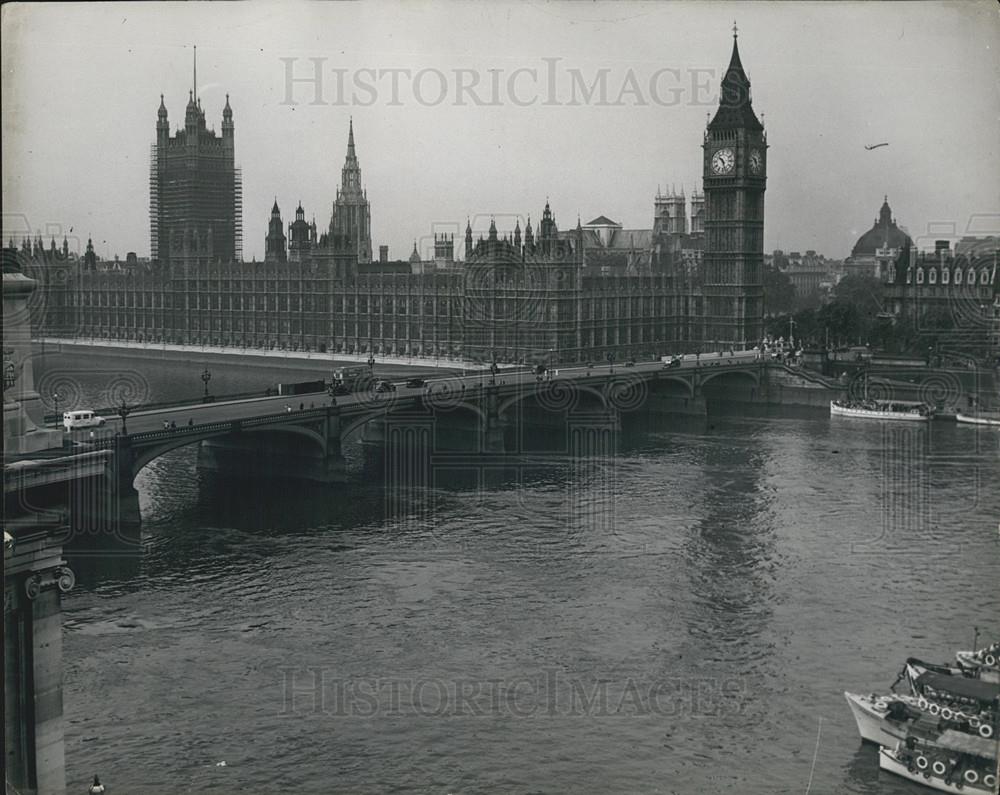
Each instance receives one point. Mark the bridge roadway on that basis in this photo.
(142, 422)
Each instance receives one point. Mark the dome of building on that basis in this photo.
(884, 234)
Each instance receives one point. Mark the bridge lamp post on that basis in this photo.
(371, 362)
(611, 362)
(55, 401)
(123, 412)
(206, 377)
(9, 377)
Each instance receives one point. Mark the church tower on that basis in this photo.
(351, 212)
(735, 173)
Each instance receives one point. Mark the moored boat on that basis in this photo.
(983, 664)
(979, 418)
(949, 762)
(910, 411)
(882, 719)
(955, 697)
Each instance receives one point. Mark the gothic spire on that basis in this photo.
(350, 140)
(734, 97)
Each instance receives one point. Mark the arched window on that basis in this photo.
(971, 276)
(958, 275)
(945, 276)
(984, 276)
(920, 275)
(932, 276)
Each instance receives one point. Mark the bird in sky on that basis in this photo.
(875, 146)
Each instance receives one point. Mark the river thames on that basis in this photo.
(680, 617)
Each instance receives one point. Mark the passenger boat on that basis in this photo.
(912, 411)
(873, 409)
(978, 419)
(948, 762)
(955, 697)
(983, 664)
(885, 719)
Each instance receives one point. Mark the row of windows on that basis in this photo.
(947, 276)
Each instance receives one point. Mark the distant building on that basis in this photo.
(876, 250)
(811, 274)
(195, 188)
(960, 287)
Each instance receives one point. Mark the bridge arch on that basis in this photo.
(145, 455)
(729, 371)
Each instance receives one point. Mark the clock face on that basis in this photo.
(756, 162)
(723, 161)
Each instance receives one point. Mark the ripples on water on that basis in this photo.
(683, 617)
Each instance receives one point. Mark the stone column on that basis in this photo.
(22, 407)
(35, 578)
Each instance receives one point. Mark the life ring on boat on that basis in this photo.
(947, 714)
(985, 730)
(939, 768)
(971, 776)
(990, 780)
(934, 709)
(990, 660)
(922, 702)
(922, 762)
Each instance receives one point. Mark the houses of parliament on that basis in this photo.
(691, 282)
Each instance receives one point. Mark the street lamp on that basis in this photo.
(332, 392)
(123, 412)
(611, 362)
(55, 401)
(371, 362)
(9, 376)
(206, 377)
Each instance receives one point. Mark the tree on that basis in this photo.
(779, 293)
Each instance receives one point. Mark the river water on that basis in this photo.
(681, 617)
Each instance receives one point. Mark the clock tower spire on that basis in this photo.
(735, 146)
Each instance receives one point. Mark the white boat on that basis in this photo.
(955, 697)
(910, 411)
(950, 762)
(977, 419)
(879, 718)
(984, 664)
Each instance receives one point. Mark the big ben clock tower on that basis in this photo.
(735, 169)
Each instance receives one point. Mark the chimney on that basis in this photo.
(383, 254)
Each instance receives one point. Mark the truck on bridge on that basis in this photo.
(352, 379)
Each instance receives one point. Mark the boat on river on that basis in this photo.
(868, 408)
(978, 419)
(948, 761)
(886, 719)
(984, 664)
(906, 410)
(955, 697)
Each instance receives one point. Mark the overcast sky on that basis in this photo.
(465, 109)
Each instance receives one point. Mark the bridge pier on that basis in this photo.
(492, 438)
(35, 577)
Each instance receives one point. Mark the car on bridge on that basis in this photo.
(385, 386)
(630, 363)
(416, 383)
(672, 361)
(81, 419)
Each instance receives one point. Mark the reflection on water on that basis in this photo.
(681, 616)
